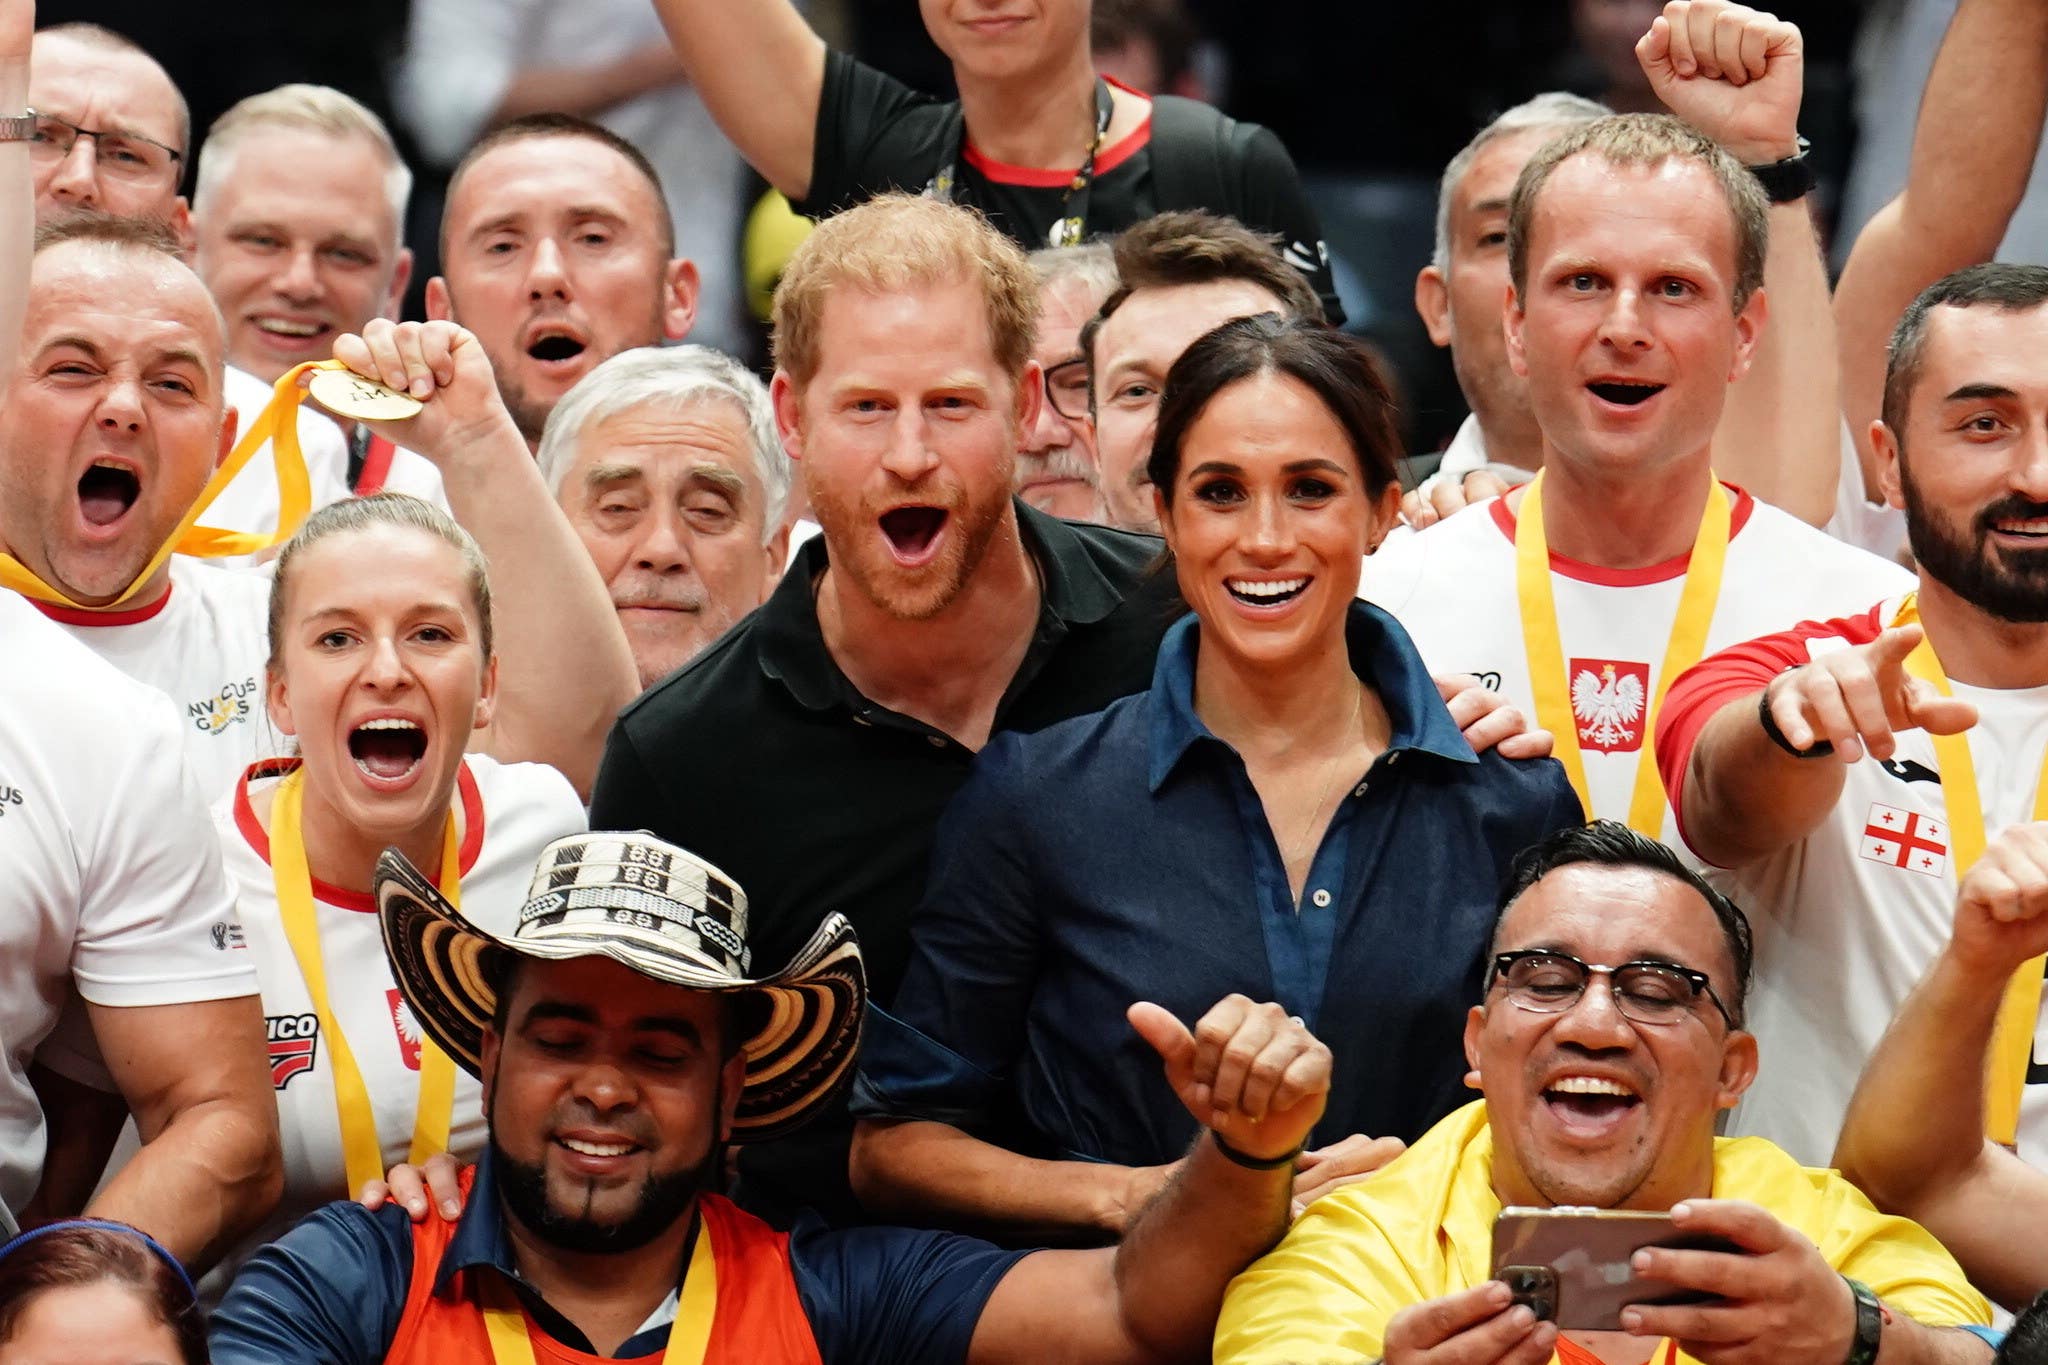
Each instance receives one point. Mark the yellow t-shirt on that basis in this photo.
(1423, 1227)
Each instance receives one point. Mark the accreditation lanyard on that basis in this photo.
(362, 1152)
(2012, 1045)
(278, 424)
(689, 1336)
(1072, 224)
(1551, 684)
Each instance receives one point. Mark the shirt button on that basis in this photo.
(1321, 899)
(936, 741)
(1393, 758)
(1359, 790)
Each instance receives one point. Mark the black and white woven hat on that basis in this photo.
(666, 914)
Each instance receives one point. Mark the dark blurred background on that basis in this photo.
(1371, 96)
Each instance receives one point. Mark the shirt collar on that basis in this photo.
(1381, 655)
(792, 643)
(479, 1238)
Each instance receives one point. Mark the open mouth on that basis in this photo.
(106, 492)
(912, 531)
(1590, 1101)
(555, 347)
(1270, 592)
(388, 749)
(1625, 393)
(2021, 521)
(598, 1149)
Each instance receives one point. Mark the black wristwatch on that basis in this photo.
(1776, 736)
(1788, 180)
(1869, 1324)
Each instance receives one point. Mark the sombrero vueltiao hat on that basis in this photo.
(666, 914)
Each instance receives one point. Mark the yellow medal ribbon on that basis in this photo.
(1551, 683)
(278, 424)
(362, 1151)
(2012, 1044)
(689, 1337)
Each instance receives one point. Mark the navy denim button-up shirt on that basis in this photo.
(1126, 856)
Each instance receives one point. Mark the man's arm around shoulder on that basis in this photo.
(329, 1292)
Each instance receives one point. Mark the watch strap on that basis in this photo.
(1776, 736)
(1869, 1324)
(1247, 1160)
(18, 127)
(1789, 180)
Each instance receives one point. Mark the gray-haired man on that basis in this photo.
(667, 465)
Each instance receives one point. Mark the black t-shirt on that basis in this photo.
(761, 757)
(876, 134)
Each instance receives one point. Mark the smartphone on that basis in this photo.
(1571, 1265)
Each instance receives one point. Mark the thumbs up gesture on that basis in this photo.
(1251, 1073)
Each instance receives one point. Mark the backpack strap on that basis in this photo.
(1194, 150)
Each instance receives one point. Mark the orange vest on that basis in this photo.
(759, 1319)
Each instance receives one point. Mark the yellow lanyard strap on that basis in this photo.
(362, 1152)
(689, 1338)
(278, 424)
(2012, 1044)
(1551, 683)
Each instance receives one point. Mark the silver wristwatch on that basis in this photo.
(18, 128)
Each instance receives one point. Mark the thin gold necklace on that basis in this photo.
(1330, 773)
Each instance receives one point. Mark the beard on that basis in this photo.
(662, 1200)
(850, 527)
(2011, 585)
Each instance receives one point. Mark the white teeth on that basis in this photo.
(389, 723)
(597, 1148)
(112, 464)
(2024, 528)
(1276, 588)
(1589, 1085)
(290, 329)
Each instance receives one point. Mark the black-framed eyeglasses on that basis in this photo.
(1646, 992)
(128, 156)
(1066, 388)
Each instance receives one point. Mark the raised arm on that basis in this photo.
(761, 72)
(564, 668)
(1737, 75)
(1741, 794)
(17, 183)
(1258, 1081)
(1973, 149)
(1914, 1136)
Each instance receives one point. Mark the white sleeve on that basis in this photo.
(157, 924)
(460, 58)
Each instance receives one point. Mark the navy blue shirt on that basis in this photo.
(331, 1291)
(1126, 856)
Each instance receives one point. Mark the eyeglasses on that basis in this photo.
(1066, 388)
(126, 156)
(1545, 982)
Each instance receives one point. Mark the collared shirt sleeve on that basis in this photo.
(894, 1296)
(1900, 1260)
(625, 795)
(946, 1051)
(329, 1292)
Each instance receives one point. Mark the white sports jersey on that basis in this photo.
(509, 813)
(1847, 920)
(1453, 588)
(202, 644)
(108, 872)
(249, 503)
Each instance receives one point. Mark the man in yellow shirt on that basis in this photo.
(1608, 1039)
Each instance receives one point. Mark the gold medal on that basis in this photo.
(348, 394)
